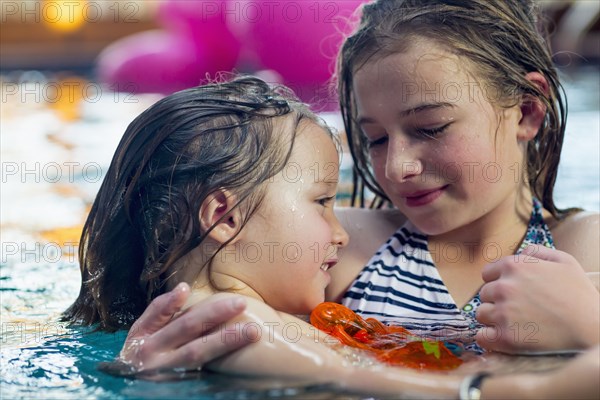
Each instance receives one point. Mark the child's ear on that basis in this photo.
(533, 111)
(218, 216)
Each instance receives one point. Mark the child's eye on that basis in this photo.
(376, 142)
(325, 201)
(433, 131)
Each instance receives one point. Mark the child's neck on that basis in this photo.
(193, 269)
(222, 282)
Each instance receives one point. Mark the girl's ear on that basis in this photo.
(218, 216)
(533, 111)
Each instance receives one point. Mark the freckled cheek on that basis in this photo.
(378, 164)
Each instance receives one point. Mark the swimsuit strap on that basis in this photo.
(537, 230)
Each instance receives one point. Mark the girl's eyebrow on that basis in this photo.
(426, 107)
(326, 181)
(413, 110)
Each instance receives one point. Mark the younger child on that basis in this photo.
(229, 188)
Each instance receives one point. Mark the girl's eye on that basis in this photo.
(376, 142)
(325, 201)
(433, 131)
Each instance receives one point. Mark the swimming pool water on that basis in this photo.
(50, 172)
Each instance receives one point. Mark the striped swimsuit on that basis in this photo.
(400, 285)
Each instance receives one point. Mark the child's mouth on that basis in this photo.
(327, 265)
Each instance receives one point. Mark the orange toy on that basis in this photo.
(390, 344)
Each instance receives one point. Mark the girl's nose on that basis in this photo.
(401, 162)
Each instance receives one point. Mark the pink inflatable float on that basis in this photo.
(298, 40)
(196, 41)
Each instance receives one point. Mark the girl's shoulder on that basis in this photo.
(579, 235)
(368, 230)
(361, 219)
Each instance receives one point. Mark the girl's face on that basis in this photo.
(292, 240)
(439, 148)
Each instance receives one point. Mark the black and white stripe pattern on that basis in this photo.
(400, 285)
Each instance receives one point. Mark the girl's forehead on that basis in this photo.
(422, 60)
(424, 69)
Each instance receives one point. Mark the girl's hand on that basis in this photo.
(578, 379)
(158, 341)
(538, 301)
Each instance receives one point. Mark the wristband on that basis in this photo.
(470, 387)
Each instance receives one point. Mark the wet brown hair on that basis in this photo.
(499, 37)
(171, 157)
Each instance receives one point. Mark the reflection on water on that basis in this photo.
(51, 169)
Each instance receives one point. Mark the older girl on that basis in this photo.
(454, 113)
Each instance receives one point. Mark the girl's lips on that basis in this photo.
(424, 197)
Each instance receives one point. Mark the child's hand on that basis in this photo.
(157, 341)
(540, 300)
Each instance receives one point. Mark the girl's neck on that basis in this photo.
(498, 233)
(460, 255)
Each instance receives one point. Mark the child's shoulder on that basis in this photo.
(579, 235)
(251, 303)
(256, 311)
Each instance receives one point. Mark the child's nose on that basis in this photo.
(340, 236)
(401, 163)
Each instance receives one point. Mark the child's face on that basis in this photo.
(471, 162)
(293, 239)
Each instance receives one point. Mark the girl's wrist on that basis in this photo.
(522, 386)
(470, 387)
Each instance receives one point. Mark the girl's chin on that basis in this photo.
(431, 229)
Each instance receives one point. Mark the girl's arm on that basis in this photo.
(578, 379)
(278, 349)
(158, 340)
(290, 347)
(579, 235)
